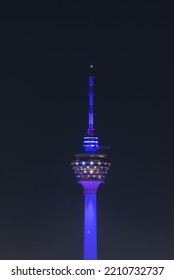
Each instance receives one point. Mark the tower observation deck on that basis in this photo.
(90, 169)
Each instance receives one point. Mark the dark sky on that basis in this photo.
(46, 49)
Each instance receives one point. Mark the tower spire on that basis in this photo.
(91, 96)
(90, 141)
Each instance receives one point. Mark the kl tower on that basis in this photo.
(90, 168)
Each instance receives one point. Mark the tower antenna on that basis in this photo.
(91, 96)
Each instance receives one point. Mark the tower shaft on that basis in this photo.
(90, 227)
(90, 219)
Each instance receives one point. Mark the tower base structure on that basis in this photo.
(90, 219)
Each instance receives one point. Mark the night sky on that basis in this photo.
(46, 50)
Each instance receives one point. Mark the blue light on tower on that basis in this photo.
(90, 169)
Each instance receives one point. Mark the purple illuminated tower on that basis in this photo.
(90, 169)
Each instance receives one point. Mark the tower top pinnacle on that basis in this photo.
(91, 70)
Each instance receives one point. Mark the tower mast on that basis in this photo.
(91, 113)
